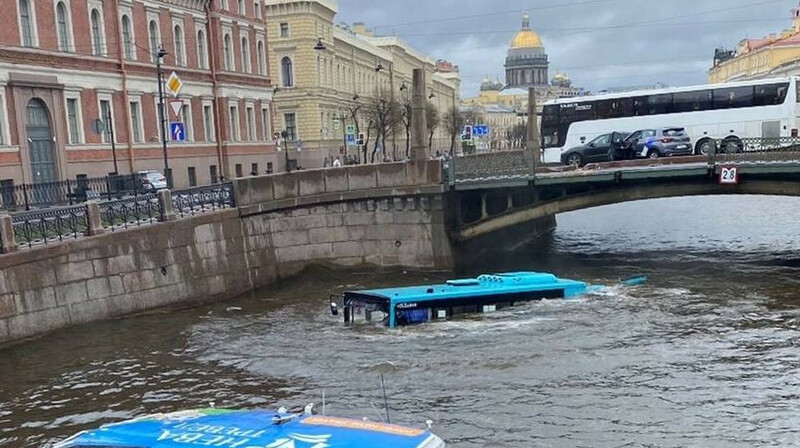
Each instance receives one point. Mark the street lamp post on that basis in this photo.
(167, 171)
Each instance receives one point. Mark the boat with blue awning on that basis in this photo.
(224, 428)
(486, 293)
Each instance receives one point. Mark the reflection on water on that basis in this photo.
(704, 354)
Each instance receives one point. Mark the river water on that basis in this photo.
(705, 354)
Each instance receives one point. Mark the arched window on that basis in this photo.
(286, 72)
(226, 52)
(241, 7)
(262, 68)
(153, 31)
(179, 53)
(127, 40)
(97, 36)
(245, 55)
(25, 23)
(62, 27)
(201, 49)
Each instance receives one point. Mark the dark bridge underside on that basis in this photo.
(617, 194)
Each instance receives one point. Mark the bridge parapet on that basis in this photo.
(273, 192)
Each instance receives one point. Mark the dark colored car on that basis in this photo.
(658, 142)
(603, 148)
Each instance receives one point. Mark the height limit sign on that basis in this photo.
(729, 175)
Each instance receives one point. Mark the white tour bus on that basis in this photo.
(714, 114)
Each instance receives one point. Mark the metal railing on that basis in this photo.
(130, 212)
(758, 150)
(199, 200)
(48, 226)
(68, 192)
(491, 165)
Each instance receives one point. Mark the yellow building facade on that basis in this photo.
(771, 56)
(326, 73)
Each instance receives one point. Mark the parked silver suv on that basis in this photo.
(659, 142)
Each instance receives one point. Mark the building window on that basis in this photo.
(192, 176)
(105, 115)
(257, 8)
(238, 170)
(245, 55)
(97, 33)
(262, 66)
(208, 123)
(291, 126)
(62, 26)
(136, 121)
(269, 167)
(286, 72)
(250, 124)
(226, 52)
(224, 4)
(212, 171)
(25, 23)
(284, 29)
(254, 169)
(186, 118)
(241, 8)
(72, 121)
(265, 123)
(201, 49)
(2, 121)
(179, 48)
(233, 120)
(127, 39)
(153, 28)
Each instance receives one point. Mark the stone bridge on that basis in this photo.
(419, 215)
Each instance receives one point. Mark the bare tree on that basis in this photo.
(381, 113)
(433, 120)
(404, 109)
(453, 123)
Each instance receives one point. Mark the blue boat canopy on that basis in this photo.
(250, 429)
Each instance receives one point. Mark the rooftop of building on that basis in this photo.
(526, 37)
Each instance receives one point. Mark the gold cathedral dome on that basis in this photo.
(526, 37)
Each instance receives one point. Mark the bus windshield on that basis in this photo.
(366, 310)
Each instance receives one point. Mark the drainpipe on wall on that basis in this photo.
(125, 98)
(212, 60)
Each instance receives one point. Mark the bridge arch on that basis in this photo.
(596, 198)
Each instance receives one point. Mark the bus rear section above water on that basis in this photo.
(427, 303)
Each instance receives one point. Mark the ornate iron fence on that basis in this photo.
(68, 192)
(758, 150)
(47, 226)
(131, 212)
(493, 165)
(199, 200)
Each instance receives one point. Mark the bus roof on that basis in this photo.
(609, 96)
(484, 285)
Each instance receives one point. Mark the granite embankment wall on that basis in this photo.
(388, 215)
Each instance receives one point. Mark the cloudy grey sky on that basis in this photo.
(599, 43)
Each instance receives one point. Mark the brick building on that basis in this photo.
(65, 63)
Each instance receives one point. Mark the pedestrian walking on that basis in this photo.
(337, 163)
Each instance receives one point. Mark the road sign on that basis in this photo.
(174, 84)
(350, 139)
(177, 131)
(350, 129)
(176, 105)
(729, 175)
(480, 131)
